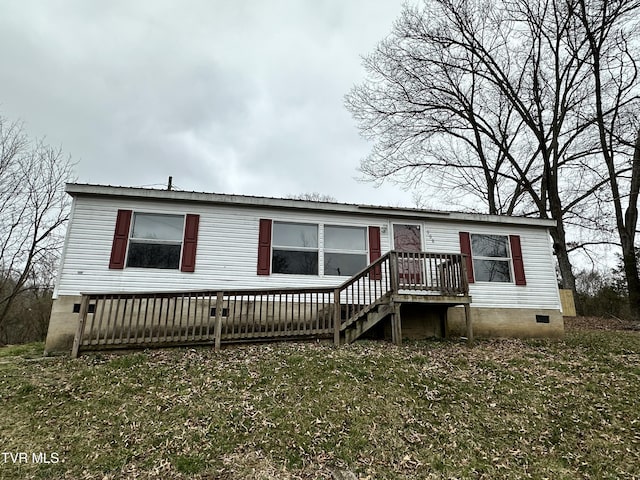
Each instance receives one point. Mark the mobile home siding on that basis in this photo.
(227, 251)
(226, 257)
(541, 290)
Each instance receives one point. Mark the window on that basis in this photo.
(295, 248)
(345, 250)
(155, 241)
(491, 258)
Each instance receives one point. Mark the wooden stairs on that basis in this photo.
(365, 319)
(362, 323)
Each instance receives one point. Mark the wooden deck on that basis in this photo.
(147, 319)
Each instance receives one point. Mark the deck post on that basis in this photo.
(218, 324)
(394, 273)
(396, 323)
(463, 274)
(467, 314)
(336, 317)
(444, 322)
(82, 319)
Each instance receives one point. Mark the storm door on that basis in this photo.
(407, 239)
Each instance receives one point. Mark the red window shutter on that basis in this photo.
(190, 243)
(264, 247)
(375, 251)
(518, 264)
(120, 240)
(465, 249)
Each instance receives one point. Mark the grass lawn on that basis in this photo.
(437, 409)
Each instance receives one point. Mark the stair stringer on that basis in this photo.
(365, 322)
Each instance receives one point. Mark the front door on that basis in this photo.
(407, 239)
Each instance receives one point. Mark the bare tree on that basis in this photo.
(33, 209)
(312, 197)
(608, 27)
(490, 99)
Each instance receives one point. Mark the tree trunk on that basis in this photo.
(560, 250)
(633, 281)
(629, 258)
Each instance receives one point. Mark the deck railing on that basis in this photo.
(126, 320)
(440, 273)
(123, 320)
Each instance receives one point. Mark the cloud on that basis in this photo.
(238, 97)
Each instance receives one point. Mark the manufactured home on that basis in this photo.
(143, 267)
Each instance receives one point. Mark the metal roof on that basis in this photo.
(84, 189)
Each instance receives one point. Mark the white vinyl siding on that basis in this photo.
(541, 290)
(227, 252)
(228, 249)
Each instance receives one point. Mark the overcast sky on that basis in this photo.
(236, 96)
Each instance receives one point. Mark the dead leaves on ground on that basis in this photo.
(505, 408)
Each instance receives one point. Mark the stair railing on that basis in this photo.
(363, 291)
(418, 273)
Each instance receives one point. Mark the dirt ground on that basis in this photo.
(599, 323)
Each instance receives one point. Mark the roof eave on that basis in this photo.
(77, 189)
